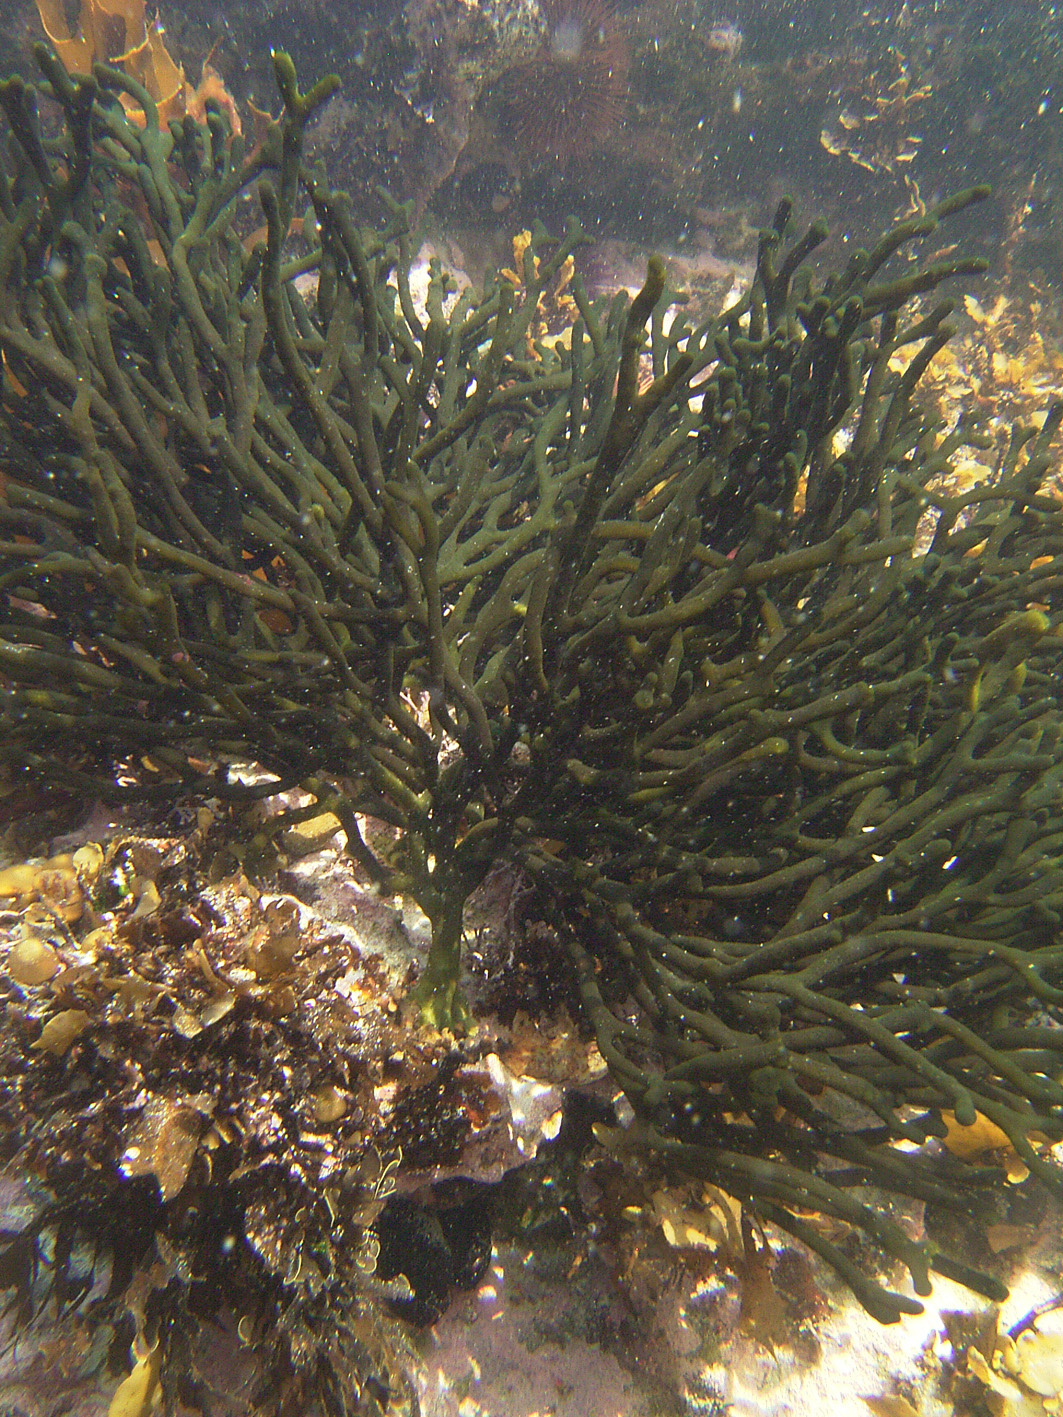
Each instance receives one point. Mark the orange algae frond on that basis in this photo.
(556, 309)
(118, 32)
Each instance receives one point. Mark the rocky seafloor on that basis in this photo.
(177, 1038)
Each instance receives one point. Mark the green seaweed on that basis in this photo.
(643, 617)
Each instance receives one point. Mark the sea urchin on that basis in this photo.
(571, 94)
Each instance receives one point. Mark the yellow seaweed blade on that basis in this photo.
(137, 1393)
(117, 32)
(167, 79)
(112, 33)
(74, 50)
(120, 27)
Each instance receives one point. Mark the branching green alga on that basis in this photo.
(647, 623)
